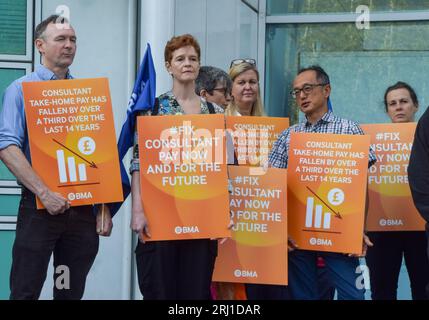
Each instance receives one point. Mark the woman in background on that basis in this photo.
(214, 85)
(246, 101)
(384, 259)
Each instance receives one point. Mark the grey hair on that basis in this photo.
(209, 77)
(41, 27)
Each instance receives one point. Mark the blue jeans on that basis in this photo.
(341, 268)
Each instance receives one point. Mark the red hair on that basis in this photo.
(180, 42)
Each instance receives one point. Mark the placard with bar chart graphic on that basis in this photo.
(327, 180)
(72, 139)
(391, 206)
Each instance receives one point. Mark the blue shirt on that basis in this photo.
(13, 127)
(329, 123)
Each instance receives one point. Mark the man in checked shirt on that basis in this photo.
(311, 89)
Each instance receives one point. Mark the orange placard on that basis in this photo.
(72, 139)
(183, 176)
(254, 137)
(327, 179)
(391, 206)
(257, 252)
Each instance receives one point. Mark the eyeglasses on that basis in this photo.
(307, 89)
(236, 62)
(225, 91)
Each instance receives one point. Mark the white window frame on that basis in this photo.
(7, 226)
(11, 186)
(7, 219)
(347, 17)
(29, 39)
(10, 191)
(262, 27)
(16, 65)
(8, 184)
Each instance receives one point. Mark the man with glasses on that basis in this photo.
(311, 89)
(214, 85)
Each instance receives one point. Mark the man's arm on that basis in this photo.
(15, 160)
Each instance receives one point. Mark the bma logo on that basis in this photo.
(320, 242)
(186, 230)
(79, 196)
(245, 274)
(391, 222)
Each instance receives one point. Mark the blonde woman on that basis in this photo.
(246, 101)
(246, 98)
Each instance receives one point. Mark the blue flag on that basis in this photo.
(142, 99)
(330, 105)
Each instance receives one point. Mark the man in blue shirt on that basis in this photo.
(71, 234)
(311, 89)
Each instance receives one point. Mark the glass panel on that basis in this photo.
(248, 32)
(281, 7)
(231, 35)
(9, 204)
(6, 239)
(6, 78)
(360, 63)
(13, 26)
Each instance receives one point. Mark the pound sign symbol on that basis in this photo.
(87, 146)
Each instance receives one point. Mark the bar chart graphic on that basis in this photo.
(68, 171)
(315, 217)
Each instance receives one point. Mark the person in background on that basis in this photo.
(214, 85)
(385, 258)
(174, 270)
(246, 101)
